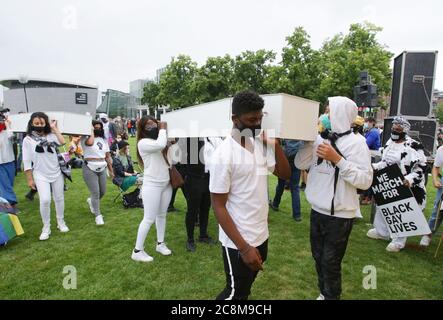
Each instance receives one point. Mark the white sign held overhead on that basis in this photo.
(286, 116)
(68, 123)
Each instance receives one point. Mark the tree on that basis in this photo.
(150, 97)
(214, 79)
(439, 112)
(301, 66)
(344, 56)
(251, 70)
(177, 87)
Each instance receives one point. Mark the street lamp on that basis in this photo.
(24, 80)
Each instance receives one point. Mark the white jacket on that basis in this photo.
(355, 168)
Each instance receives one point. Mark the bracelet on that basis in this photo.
(242, 253)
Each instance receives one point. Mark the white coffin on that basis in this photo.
(68, 123)
(286, 116)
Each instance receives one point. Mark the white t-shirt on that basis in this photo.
(45, 165)
(97, 150)
(244, 176)
(106, 130)
(438, 162)
(6, 149)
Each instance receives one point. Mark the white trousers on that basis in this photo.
(44, 189)
(156, 198)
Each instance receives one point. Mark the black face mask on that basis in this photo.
(99, 132)
(152, 133)
(38, 129)
(104, 120)
(254, 131)
(397, 136)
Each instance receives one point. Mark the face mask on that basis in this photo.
(325, 123)
(104, 120)
(254, 130)
(152, 133)
(2, 127)
(366, 126)
(397, 136)
(98, 132)
(37, 129)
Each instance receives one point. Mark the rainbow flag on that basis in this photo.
(10, 227)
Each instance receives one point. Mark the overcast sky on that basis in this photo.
(110, 42)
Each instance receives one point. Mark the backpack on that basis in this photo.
(132, 199)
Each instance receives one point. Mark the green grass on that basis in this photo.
(33, 269)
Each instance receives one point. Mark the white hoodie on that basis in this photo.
(355, 168)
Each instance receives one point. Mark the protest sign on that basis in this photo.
(397, 205)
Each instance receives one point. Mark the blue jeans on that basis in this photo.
(295, 191)
(433, 219)
(7, 176)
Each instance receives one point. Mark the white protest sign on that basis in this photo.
(397, 205)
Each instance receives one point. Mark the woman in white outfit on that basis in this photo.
(42, 169)
(156, 189)
(97, 158)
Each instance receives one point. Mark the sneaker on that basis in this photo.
(61, 225)
(394, 247)
(271, 205)
(99, 220)
(321, 297)
(303, 186)
(30, 195)
(91, 208)
(46, 232)
(207, 240)
(425, 241)
(141, 256)
(163, 249)
(297, 219)
(190, 246)
(372, 233)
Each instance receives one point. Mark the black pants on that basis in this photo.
(329, 238)
(239, 278)
(198, 199)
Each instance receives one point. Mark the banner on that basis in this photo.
(397, 205)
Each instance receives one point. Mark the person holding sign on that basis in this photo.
(437, 180)
(339, 163)
(42, 169)
(409, 156)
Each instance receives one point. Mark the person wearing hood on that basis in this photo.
(339, 163)
(408, 154)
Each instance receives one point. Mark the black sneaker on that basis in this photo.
(207, 240)
(271, 205)
(190, 246)
(30, 195)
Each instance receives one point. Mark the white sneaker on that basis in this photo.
(163, 249)
(394, 247)
(46, 232)
(372, 233)
(99, 220)
(321, 297)
(141, 256)
(91, 208)
(425, 241)
(61, 225)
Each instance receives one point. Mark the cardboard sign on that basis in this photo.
(397, 205)
(68, 123)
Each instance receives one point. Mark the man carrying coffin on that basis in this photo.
(409, 156)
